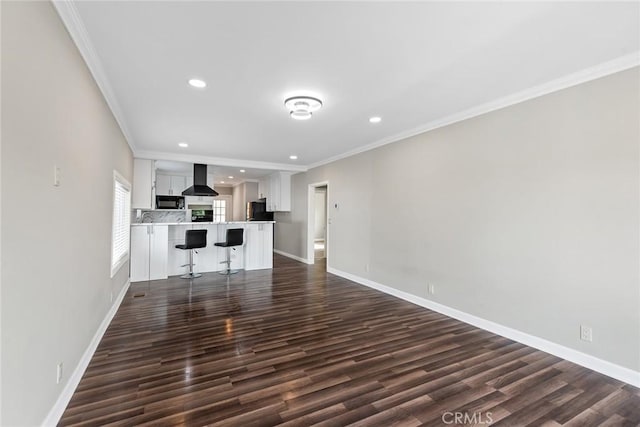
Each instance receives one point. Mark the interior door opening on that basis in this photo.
(318, 233)
(320, 224)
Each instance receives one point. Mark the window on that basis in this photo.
(219, 210)
(121, 222)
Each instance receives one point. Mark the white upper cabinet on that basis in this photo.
(170, 185)
(178, 184)
(163, 184)
(143, 193)
(277, 190)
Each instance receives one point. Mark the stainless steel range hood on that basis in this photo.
(199, 187)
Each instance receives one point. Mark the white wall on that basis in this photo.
(56, 241)
(526, 216)
(250, 192)
(225, 191)
(239, 212)
(243, 193)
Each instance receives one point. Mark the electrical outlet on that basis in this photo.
(59, 373)
(431, 288)
(586, 333)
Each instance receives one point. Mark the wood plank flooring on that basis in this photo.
(296, 346)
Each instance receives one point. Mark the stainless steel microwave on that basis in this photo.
(169, 202)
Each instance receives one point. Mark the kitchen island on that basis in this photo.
(154, 255)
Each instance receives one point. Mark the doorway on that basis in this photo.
(318, 220)
(320, 224)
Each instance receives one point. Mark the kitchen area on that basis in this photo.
(169, 198)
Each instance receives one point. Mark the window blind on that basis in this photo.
(121, 222)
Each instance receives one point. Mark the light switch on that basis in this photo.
(56, 176)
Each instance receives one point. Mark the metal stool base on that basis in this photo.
(190, 274)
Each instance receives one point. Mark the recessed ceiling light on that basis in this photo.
(242, 171)
(183, 144)
(302, 107)
(221, 182)
(197, 83)
(293, 157)
(375, 119)
(230, 177)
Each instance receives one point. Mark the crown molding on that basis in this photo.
(244, 181)
(218, 161)
(72, 21)
(601, 70)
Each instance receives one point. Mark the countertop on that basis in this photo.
(201, 223)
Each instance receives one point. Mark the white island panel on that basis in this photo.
(177, 257)
(258, 246)
(158, 257)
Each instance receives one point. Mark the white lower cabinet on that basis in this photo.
(148, 252)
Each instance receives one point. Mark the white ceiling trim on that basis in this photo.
(71, 19)
(619, 64)
(245, 181)
(218, 161)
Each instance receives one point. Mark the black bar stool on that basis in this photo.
(193, 239)
(234, 238)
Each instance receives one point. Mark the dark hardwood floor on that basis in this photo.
(297, 346)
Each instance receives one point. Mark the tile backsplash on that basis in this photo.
(140, 216)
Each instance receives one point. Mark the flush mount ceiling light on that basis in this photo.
(302, 107)
(242, 171)
(197, 83)
(293, 157)
(375, 119)
(183, 144)
(230, 177)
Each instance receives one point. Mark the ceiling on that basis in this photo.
(414, 64)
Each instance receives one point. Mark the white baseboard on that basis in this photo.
(54, 415)
(609, 369)
(288, 255)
